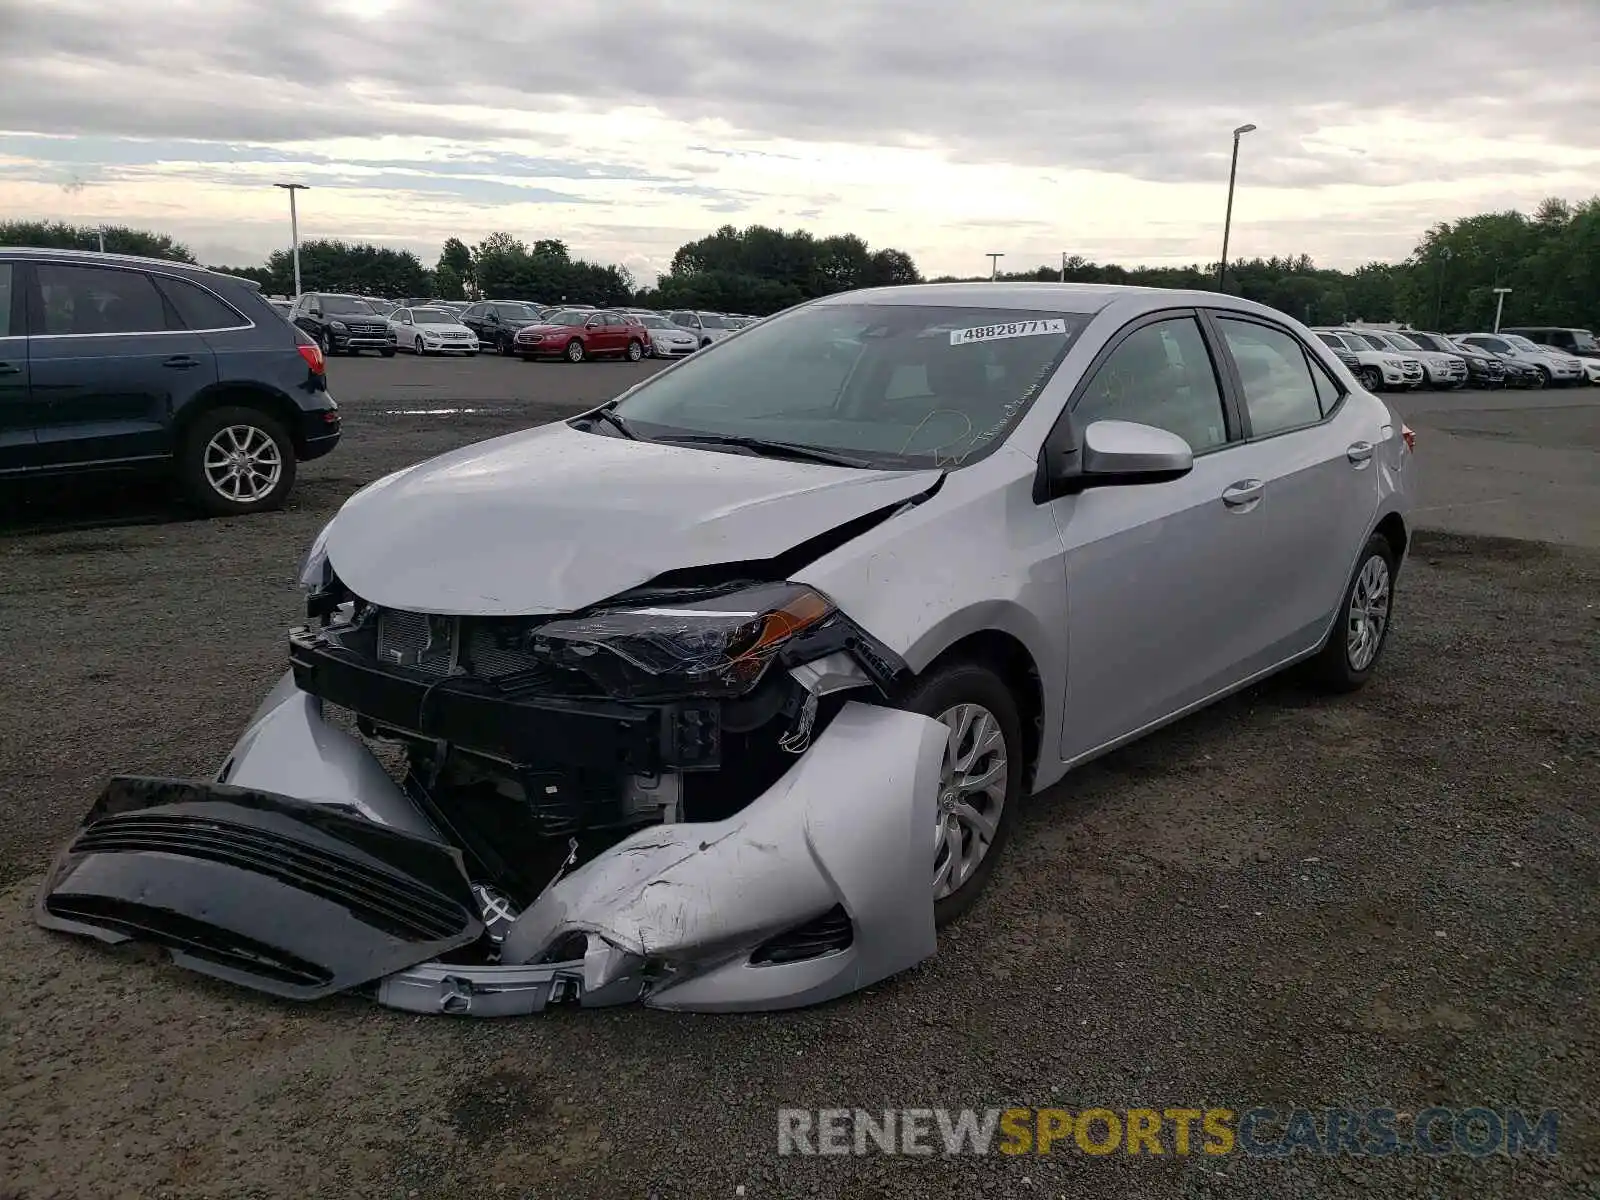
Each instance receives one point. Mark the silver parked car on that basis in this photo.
(726, 694)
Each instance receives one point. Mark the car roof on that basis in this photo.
(128, 260)
(1085, 299)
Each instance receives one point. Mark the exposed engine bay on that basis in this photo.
(533, 744)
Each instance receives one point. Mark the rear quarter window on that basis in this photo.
(199, 308)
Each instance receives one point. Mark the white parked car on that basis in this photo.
(431, 331)
(707, 327)
(1440, 369)
(666, 339)
(1380, 365)
(1555, 366)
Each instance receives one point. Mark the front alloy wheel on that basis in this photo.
(575, 351)
(972, 795)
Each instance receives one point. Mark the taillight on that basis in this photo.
(1410, 436)
(312, 353)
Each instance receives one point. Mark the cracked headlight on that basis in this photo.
(714, 647)
(313, 572)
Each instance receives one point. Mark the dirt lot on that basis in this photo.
(1391, 899)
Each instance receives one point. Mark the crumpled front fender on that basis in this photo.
(851, 825)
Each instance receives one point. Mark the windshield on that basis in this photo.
(897, 385)
(1429, 341)
(712, 321)
(1520, 342)
(347, 304)
(1401, 342)
(1333, 340)
(570, 316)
(652, 321)
(433, 316)
(1582, 339)
(517, 312)
(1372, 342)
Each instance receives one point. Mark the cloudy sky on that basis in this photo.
(948, 128)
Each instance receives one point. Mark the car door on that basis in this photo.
(618, 333)
(111, 362)
(1314, 455)
(18, 420)
(1157, 576)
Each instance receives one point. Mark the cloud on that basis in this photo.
(910, 117)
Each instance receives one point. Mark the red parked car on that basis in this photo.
(576, 334)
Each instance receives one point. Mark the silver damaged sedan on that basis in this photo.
(725, 695)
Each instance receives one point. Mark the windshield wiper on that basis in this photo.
(610, 418)
(766, 448)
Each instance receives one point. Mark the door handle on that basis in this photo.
(1359, 452)
(181, 362)
(9, 369)
(1245, 494)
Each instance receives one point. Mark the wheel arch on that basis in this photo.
(1010, 658)
(242, 395)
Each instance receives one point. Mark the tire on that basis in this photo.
(1542, 380)
(325, 340)
(1337, 666)
(387, 353)
(1371, 378)
(705, 343)
(213, 435)
(503, 344)
(574, 351)
(416, 346)
(635, 351)
(941, 691)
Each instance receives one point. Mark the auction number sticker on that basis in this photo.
(1012, 329)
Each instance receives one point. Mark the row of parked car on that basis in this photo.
(1527, 357)
(348, 324)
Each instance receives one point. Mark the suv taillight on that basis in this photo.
(1410, 436)
(312, 353)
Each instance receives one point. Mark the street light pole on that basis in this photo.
(1063, 266)
(1227, 221)
(1499, 305)
(1438, 291)
(994, 264)
(294, 227)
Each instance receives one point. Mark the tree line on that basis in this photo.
(1550, 260)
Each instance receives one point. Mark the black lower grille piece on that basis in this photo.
(288, 897)
(174, 931)
(827, 934)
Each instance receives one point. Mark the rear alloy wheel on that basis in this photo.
(236, 460)
(1371, 378)
(980, 783)
(635, 351)
(575, 351)
(1357, 639)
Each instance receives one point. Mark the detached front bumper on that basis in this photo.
(818, 887)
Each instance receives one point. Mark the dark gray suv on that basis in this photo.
(109, 361)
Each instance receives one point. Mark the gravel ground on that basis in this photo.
(1386, 899)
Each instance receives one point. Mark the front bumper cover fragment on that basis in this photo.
(311, 872)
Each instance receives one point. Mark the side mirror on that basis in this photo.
(1112, 454)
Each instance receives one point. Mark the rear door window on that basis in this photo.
(98, 300)
(1280, 391)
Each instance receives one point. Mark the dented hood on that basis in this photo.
(555, 519)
